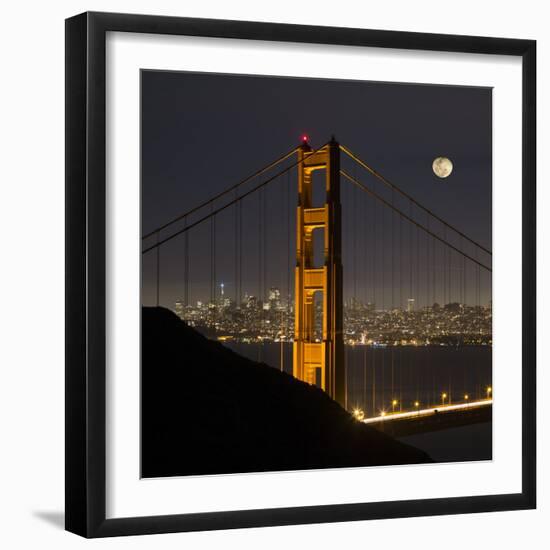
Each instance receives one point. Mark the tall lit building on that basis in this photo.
(274, 294)
(224, 302)
(410, 305)
(274, 298)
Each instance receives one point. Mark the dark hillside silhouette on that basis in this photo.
(208, 410)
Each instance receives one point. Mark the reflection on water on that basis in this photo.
(376, 377)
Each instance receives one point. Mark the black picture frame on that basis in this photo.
(85, 274)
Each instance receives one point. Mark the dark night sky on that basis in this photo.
(203, 132)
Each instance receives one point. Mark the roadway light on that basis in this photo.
(416, 404)
(489, 391)
(466, 397)
(443, 397)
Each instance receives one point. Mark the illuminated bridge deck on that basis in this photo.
(433, 418)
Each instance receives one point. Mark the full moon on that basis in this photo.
(442, 167)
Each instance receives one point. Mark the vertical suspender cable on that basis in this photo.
(366, 295)
(236, 250)
(428, 272)
(373, 310)
(260, 278)
(264, 259)
(289, 251)
(400, 307)
(213, 269)
(392, 249)
(158, 271)
(240, 281)
(186, 268)
(434, 274)
(445, 299)
(364, 378)
(383, 273)
(410, 255)
(354, 255)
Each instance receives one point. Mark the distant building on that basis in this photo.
(251, 301)
(274, 298)
(274, 294)
(179, 309)
(410, 305)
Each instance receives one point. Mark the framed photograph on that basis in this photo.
(300, 274)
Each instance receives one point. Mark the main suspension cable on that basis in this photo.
(213, 199)
(417, 224)
(407, 196)
(230, 203)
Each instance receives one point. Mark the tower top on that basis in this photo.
(304, 143)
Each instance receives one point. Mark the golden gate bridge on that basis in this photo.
(396, 251)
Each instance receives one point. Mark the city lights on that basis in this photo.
(271, 317)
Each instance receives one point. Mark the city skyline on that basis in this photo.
(227, 294)
(272, 319)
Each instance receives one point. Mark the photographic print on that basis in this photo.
(316, 273)
(305, 333)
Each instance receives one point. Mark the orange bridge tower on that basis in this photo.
(318, 355)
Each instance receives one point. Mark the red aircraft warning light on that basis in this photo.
(305, 138)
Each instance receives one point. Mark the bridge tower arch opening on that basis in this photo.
(319, 360)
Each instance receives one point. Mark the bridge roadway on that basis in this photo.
(433, 418)
(432, 410)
